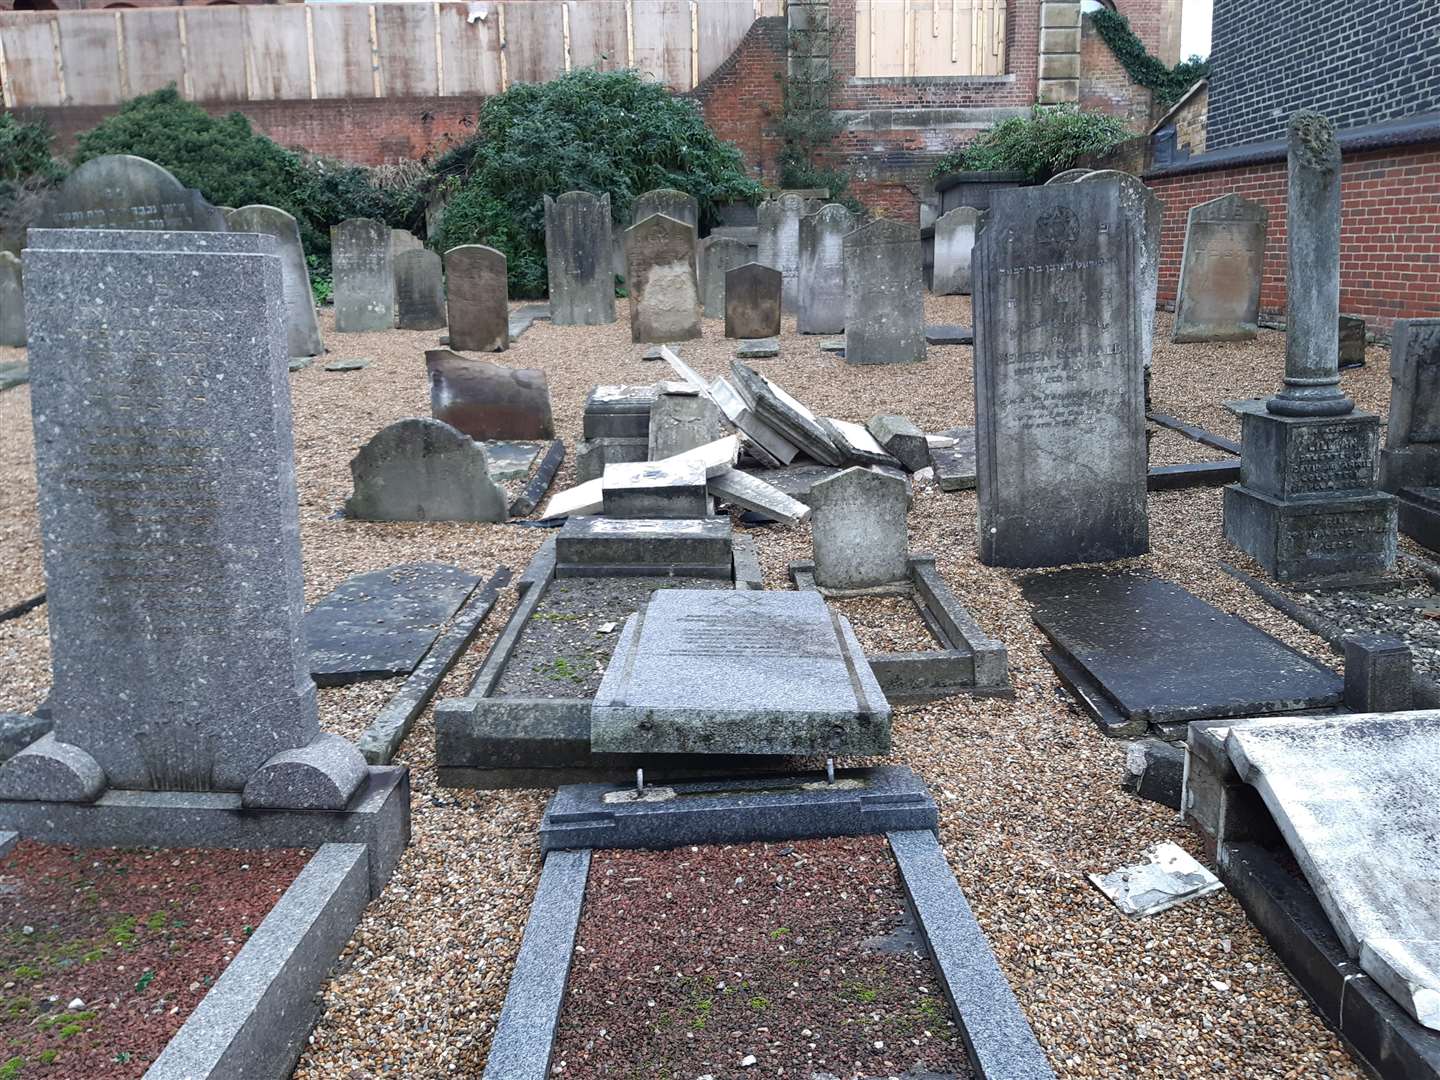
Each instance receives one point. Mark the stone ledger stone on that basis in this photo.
(820, 278)
(579, 260)
(424, 470)
(419, 290)
(752, 302)
(1059, 379)
(478, 293)
(301, 325)
(660, 273)
(121, 191)
(860, 535)
(656, 490)
(954, 248)
(718, 256)
(169, 520)
(884, 295)
(779, 222)
(12, 302)
(488, 401)
(1221, 271)
(364, 274)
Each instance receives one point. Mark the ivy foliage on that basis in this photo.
(588, 131)
(27, 170)
(1167, 84)
(1048, 141)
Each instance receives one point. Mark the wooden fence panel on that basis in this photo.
(279, 52)
(470, 52)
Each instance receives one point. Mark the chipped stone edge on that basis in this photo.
(253, 1022)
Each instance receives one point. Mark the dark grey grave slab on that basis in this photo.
(1192, 474)
(758, 348)
(861, 802)
(949, 334)
(600, 547)
(619, 412)
(1155, 771)
(524, 503)
(1158, 654)
(1190, 431)
(955, 465)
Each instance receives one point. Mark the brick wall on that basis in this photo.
(743, 97)
(1389, 230)
(1359, 62)
(1106, 87)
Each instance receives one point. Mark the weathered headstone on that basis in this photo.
(668, 201)
(1352, 341)
(860, 535)
(120, 191)
(170, 522)
(424, 470)
(12, 301)
(578, 259)
(660, 273)
(779, 221)
(820, 278)
(718, 256)
(488, 401)
(419, 290)
(364, 275)
(403, 240)
(752, 301)
(954, 249)
(681, 419)
(902, 440)
(884, 294)
(1059, 380)
(301, 326)
(1145, 212)
(1306, 507)
(1069, 176)
(1221, 271)
(478, 295)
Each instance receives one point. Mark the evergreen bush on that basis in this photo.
(1048, 141)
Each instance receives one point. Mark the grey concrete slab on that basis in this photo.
(751, 493)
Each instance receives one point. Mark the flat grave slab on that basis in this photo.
(949, 334)
(955, 465)
(739, 672)
(378, 625)
(1139, 651)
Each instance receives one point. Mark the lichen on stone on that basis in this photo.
(1312, 140)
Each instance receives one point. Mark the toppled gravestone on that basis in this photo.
(488, 401)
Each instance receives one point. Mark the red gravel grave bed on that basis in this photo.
(690, 961)
(137, 936)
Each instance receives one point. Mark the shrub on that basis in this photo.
(591, 131)
(27, 170)
(1048, 141)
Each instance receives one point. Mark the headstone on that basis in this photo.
(752, 302)
(168, 508)
(120, 191)
(1221, 271)
(1410, 461)
(578, 259)
(424, 470)
(1352, 341)
(820, 278)
(478, 298)
(1145, 212)
(681, 419)
(655, 490)
(739, 672)
(660, 274)
(1059, 379)
(419, 290)
(779, 221)
(884, 294)
(954, 248)
(302, 328)
(12, 302)
(901, 439)
(364, 276)
(1306, 507)
(488, 401)
(718, 256)
(860, 534)
(1069, 176)
(670, 202)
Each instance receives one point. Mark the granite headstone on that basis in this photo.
(578, 259)
(364, 276)
(478, 293)
(1221, 271)
(884, 294)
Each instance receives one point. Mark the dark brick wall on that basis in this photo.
(1356, 61)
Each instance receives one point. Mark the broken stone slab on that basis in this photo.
(795, 480)
(586, 498)
(1168, 876)
(487, 400)
(539, 484)
(352, 364)
(855, 443)
(901, 439)
(424, 470)
(833, 345)
(758, 348)
(655, 489)
(782, 412)
(949, 334)
(955, 465)
(639, 547)
(751, 493)
(779, 450)
(1155, 771)
(510, 459)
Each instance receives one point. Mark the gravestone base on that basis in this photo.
(1418, 515)
(1343, 541)
(641, 547)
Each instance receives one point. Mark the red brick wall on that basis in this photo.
(1106, 87)
(1389, 230)
(743, 97)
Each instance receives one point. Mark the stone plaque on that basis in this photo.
(954, 247)
(752, 302)
(12, 302)
(1221, 271)
(302, 329)
(424, 470)
(779, 221)
(120, 191)
(579, 259)
(364, 275)
(478, 294)
(1059, 380)
(670, 202)
(660, 272)
(488, 401)
(820, 279)
(718, 256)
(884, 294)
(419, 290)
(860, 534)
(168, 507)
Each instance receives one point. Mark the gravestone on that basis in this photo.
(681, 419)
(752, 302)
(578, 259)
(1059, 379)
(1306, 507)
(820, 279)
(424, 470)
(12, 302)
(860, 535)
(660, 273)
(488, 401)
(478, 298)
(655, 490)
(954, 248)
(670, 202)
(169, 515)
(364, 276)
(779, 221)
(419, 290)
(301, 326)
(1410, 461)
(884, 294)
(1145, 212)
(901, 439)
(120, 191)
(1352, 341)
(718, 256)
(1221, 271)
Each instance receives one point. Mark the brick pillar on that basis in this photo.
(1059, 72)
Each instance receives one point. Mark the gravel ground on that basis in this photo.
(1028, 791)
